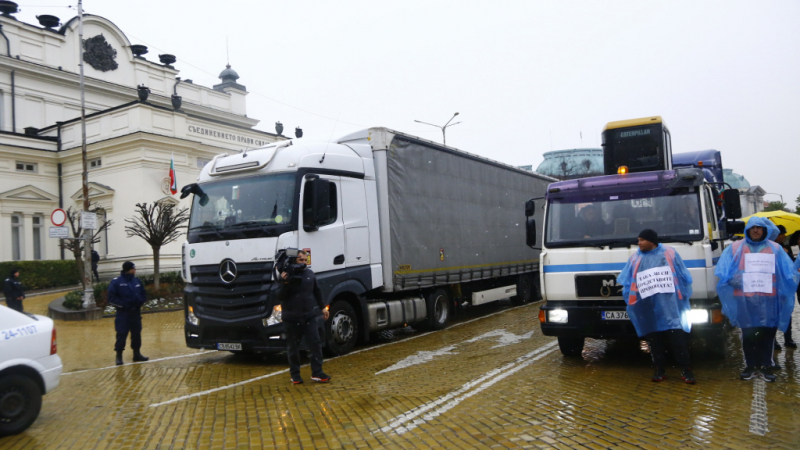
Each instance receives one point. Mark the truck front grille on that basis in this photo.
(246, 296)
(602, 285)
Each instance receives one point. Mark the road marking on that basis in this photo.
(143, 362)
(419, 358)
(506, 338)
(411, 419)
(758, 409)
(209, 391)
(425, 356)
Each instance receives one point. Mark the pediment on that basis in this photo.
(96, 190)
(168, 201)
(29, 193)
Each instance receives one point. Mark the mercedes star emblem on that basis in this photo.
(227, 271)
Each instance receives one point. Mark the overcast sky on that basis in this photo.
(526, 76)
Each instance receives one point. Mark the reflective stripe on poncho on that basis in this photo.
(659, 312)
(756, 309)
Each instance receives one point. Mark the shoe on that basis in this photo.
(321, 378)
(777, 346)
(659, 375)
(790, 344)
(769, 377)
(688, 377)
(119, 358)
(297, 380)
(748, 373)
(138, 357)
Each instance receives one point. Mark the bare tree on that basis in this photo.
(76, 246)
(566, 170)
(158, 224)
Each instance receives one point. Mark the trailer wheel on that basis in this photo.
(438, 303)
(525, 290)
(570, 346)
(341, 328)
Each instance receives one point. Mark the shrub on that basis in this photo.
(101, 294)
(43, 274)
(74, 300)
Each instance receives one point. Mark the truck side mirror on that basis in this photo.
(195, 189)
(530, 232)
(731, 204)
(734, 227)
(530, 208)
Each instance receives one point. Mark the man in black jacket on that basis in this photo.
(301, 302)
(126, 293)
(12, 289)
(95, 261)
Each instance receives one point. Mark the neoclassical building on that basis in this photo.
(130, 140)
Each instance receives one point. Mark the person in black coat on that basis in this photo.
(126, 293)
(12, 289)
(95, 260)
(301, 303)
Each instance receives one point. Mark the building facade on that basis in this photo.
(130, 139)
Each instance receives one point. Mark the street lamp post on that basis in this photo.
(442, 127)
(772, 193)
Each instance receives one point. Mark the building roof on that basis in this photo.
(735, 180)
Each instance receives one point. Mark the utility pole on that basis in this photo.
(88, 293)
(442, 127)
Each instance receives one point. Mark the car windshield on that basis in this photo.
(595, 219)
(243, 208)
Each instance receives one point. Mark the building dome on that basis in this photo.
(734, 179)
(573, 163)
(228, 74)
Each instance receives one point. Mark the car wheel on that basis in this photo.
(341, 328)
(525, 290)
(571, 346)
(20, 402)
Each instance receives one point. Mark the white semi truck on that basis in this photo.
(400, 231)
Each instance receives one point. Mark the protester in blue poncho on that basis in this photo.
(757, 283)
(657, 286)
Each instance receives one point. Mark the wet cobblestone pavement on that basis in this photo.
(490, 381)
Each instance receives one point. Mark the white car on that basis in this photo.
(29, 367)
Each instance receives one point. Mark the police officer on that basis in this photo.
(12, 289)
(301, 303)
(126, 292)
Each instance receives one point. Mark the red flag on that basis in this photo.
(173, 179)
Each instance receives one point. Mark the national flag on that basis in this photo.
(173, 179)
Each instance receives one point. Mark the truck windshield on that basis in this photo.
(639, 148)
(243, 208)
(598, 219)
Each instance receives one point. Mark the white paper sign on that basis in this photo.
(759, 262)
(59, 232)
(88, 220)
(757, 282)
(657, 280)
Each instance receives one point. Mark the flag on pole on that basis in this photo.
(173, 179)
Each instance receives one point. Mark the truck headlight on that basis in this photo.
(191, 318)
(698, 316)
(558, 316)
(274, 318)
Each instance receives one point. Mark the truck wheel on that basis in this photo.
(20, 402)
(570, 346)
(341, 329)
(438, 303)
(525, 290)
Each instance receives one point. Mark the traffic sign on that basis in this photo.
(58, 217)
(88, 220)
(59, 232)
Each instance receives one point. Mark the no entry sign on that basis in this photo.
(58, 217)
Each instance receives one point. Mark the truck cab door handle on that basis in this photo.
(339, 259)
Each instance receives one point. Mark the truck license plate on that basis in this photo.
(221, 346)
(615, 315)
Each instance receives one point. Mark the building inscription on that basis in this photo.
(227, 136)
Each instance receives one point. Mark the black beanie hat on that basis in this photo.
(781, 229)
(127, 265)
(13, 271)
(649, 235)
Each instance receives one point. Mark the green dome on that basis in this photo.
(734, 179)
(574, 163)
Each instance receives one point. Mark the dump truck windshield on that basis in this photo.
(590, 219)
(243, 208)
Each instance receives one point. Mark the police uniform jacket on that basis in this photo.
(12, 289)
(126, 292)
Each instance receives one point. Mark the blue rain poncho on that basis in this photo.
(751, 295)
(666, 284)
